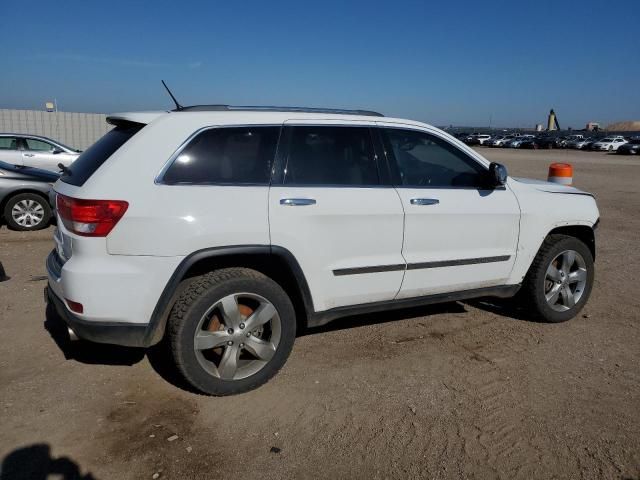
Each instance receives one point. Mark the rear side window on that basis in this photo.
(38, 145)
(327, 155)
(92, 158)
(424, 160)
(226, 156)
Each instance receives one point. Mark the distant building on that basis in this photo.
(552, 121)
(538, 127)
(593, 126)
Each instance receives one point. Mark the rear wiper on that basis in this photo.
(64, 169)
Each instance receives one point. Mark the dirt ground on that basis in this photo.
(461, 390)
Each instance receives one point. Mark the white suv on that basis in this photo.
(224, 230)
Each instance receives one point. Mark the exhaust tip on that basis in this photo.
(72, 335)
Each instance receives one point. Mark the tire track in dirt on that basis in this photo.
(497, 440)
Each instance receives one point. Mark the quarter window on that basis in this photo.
(424, 160)
(328, 155)
(238, 155)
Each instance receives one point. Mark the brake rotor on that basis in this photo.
(215, 324)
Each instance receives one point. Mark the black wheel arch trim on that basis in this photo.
(156, 326)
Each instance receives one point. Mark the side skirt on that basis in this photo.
(322, 318)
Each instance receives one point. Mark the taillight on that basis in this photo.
(90, 218)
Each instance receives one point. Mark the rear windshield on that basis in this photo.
(92, 158)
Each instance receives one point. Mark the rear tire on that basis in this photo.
(27, 211)
(559, 280)
(230, 331)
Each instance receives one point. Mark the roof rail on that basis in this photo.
(236, 108)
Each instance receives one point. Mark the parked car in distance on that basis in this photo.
(517, 141)
(632, 147)
(477, 139)
(500, 140)
(549, 142)
(24, 196)
(570, 140)
(579, 143)
(609, 144)
(244, 224)
(530, 143)
(35, 151)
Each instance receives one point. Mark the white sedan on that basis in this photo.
(609, 144)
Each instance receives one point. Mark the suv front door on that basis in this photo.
(459, 234)
(331, 206)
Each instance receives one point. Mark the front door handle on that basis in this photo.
(29, 154)
(424, 201)
(297, 202)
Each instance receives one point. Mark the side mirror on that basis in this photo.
(498, 174)
(56, 151)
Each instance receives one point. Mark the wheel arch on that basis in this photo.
(584, 233)
(275, 262)
(20, 191)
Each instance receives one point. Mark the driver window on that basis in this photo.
(38, 145)
(424, 160)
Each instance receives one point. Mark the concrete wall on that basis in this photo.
(77, 130)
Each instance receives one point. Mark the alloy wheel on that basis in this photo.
(565, 280)
(237, 336)
(27, 213)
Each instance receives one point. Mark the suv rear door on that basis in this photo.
(459, 234)
(331, 206)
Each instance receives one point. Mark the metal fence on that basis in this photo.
(78, 130)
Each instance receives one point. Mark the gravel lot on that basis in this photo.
(461, 390)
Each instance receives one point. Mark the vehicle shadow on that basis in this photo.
(103, 354)
(160, 360)
(34, 462)
(88, 352)
(505, 307)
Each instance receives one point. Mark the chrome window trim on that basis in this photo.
(159, 180)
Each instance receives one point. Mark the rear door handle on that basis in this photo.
(297, 202)
(29, 154)
(424, 201)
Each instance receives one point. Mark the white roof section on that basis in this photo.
(251, 117)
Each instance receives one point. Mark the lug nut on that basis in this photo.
(248, 334)
(242, 325)
(242, 345)
(229, 343)
(230, 331)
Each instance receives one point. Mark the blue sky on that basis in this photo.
(453, 62)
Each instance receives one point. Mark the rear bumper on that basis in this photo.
(126, 334)
(119, 293)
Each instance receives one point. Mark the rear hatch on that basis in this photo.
(80, 217)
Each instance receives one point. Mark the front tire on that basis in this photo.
(230, 331)
(559, 280)
(27, 211)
